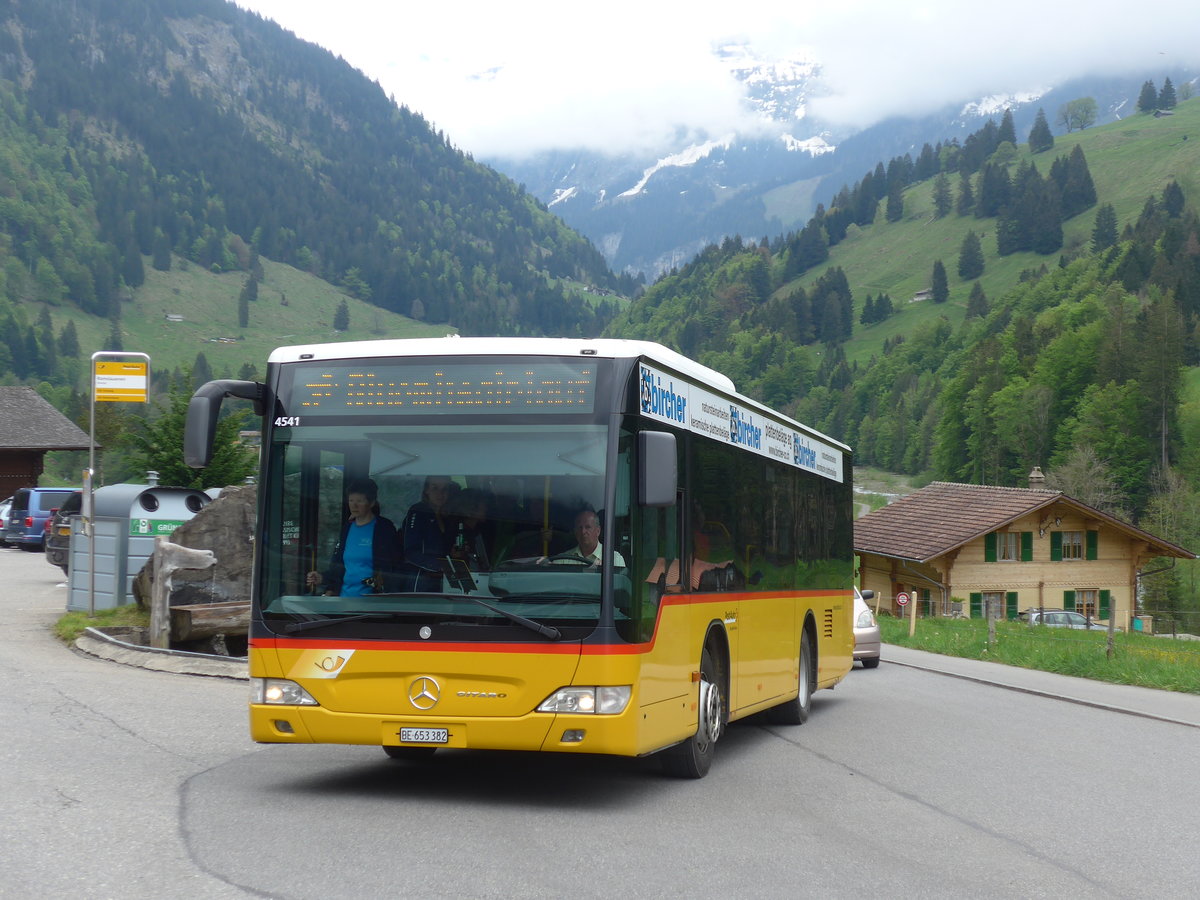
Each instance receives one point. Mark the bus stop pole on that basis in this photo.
(133, 387)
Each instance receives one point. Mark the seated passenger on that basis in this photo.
(428, 537)
(468, 510)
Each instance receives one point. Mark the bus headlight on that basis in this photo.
(605, 700)
(279, 692)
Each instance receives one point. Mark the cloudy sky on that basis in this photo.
(510, 78)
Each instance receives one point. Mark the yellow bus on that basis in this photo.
(720, 585)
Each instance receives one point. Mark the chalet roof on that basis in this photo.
(944, 516)
(28, 422)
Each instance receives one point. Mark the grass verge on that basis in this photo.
(1139, 659)
(73, 624)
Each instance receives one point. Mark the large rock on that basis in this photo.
(226, 527)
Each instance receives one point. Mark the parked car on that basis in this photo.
(58, 532)
(1061, 618)
(26, 526)
(866, 630)
(5, 506)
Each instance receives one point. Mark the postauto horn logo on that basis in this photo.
(662, 401)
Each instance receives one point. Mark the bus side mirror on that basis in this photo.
(658, 475)
(203, 410)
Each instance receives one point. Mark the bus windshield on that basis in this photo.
(470, 524)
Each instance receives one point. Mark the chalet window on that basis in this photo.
(1074, 545)
(1008, 546)
(1095, 604)
(994, 604)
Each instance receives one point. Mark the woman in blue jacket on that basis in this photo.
(364, 560)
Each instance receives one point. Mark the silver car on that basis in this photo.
(1061, 618)
(866, 630)
(5, 506)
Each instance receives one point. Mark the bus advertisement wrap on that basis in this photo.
(670, 399)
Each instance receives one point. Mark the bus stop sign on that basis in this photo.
(902, 598)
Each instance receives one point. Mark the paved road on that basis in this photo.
(127, 783)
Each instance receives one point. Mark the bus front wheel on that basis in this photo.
(796, 710)
(693, 757)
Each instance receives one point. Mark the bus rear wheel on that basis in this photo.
(796, 710)
(693, 758)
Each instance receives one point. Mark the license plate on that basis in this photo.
(424, 735)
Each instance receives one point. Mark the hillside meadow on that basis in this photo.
(1129, 161)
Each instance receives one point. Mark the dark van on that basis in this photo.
(31, 507)
(58, 535)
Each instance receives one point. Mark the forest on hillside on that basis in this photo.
(1079, 367)
(195, 128)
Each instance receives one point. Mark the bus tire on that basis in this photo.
(412, 754)
(796, 710)
(693, 758)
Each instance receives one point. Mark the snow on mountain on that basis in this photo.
(996, 104)
(687, 157)
(814, 146)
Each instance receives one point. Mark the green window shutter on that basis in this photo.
(1068, 599)
(1056, 546)
(1105, 604)
(1093, 545)
(976, 605)
(1026, 546)
(928, 603)
(989, 547)
(1010, 605)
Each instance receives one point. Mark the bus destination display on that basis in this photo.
(426, 388)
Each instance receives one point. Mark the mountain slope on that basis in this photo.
(1068, 352)
(651, 212)
(201, 125)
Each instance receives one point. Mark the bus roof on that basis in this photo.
(453, 345)
(604, 348)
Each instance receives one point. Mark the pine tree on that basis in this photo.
(161, 257)
(970, 257)
(1007, 131)
(68, 340)
(895, 203)
(868, 311)
(966, 197)
(1172, 200)
(341, 317)
(1040, 138)
(1148, 98)
(943, 201)
(939, 283)
(977, 305)
(1078, 190)
(1166, 97)
(1104, 232)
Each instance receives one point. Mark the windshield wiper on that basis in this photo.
(293, 627)
(546, 630)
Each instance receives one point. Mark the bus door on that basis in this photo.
(312, 494)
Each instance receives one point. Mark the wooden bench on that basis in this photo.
(195, 621)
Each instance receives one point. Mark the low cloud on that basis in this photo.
(505, 80)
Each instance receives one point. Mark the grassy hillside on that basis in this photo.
(292, 308)
(1129, 161)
